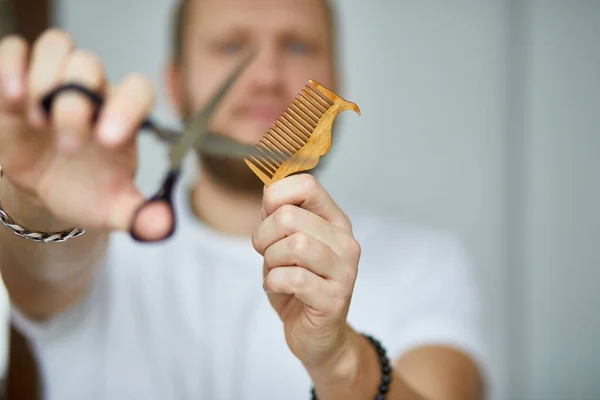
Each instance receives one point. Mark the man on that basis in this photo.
(189, 318)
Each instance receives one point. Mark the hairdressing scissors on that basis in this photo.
(196, 135)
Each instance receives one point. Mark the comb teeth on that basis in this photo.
(292, 131)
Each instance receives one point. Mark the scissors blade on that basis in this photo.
(219, 145)
(197, 129)
(167, 135)
(213, 144)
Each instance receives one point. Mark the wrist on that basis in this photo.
(344, 364)
(361, 370)
(28, 210)
(349, 364)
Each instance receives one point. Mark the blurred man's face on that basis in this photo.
(293, 43)
(293, 46)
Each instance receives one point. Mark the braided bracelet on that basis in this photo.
(386, 370)
(43, 237)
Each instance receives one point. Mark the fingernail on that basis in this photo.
(68, 143)
(263, 214)
(111, 131)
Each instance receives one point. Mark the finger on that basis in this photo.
(309, 288)
(72, 112)
(154, 221)
(123, 207)
(304, 191)
(13, 66)
(125, 111)
(289, 219)
(48, 58)
(304, 250)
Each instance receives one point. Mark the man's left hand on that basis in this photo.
(310, 266)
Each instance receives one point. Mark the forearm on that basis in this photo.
(44, 278)
(357, 375)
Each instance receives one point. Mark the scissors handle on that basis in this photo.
(96, 98)
(145, 227)
(139, 229)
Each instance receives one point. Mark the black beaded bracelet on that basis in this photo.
(386, 370)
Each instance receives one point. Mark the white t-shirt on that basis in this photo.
(188, 318)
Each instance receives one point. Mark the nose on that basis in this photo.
(267, 70)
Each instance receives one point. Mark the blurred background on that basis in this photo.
(482, 117)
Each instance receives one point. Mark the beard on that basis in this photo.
(231, 173)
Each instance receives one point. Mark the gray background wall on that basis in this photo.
(480, 116)
(561, 251)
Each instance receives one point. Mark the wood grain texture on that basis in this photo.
(301, 135)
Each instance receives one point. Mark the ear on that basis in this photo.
(172, 86)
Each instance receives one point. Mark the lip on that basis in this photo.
(264, 113)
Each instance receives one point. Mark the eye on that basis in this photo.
(298, 47)
(231, 47)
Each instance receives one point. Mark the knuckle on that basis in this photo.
(269, 198)
(347, 220)
(298, 279)
(351, 246)
(308, 182)
(274, 281)
(300, 243)
(286, 215)
(255, 242)
(268, 279)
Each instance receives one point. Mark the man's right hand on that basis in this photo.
(78, 173)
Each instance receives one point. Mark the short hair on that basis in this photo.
(182, 8)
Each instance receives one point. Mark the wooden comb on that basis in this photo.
(301, 135)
